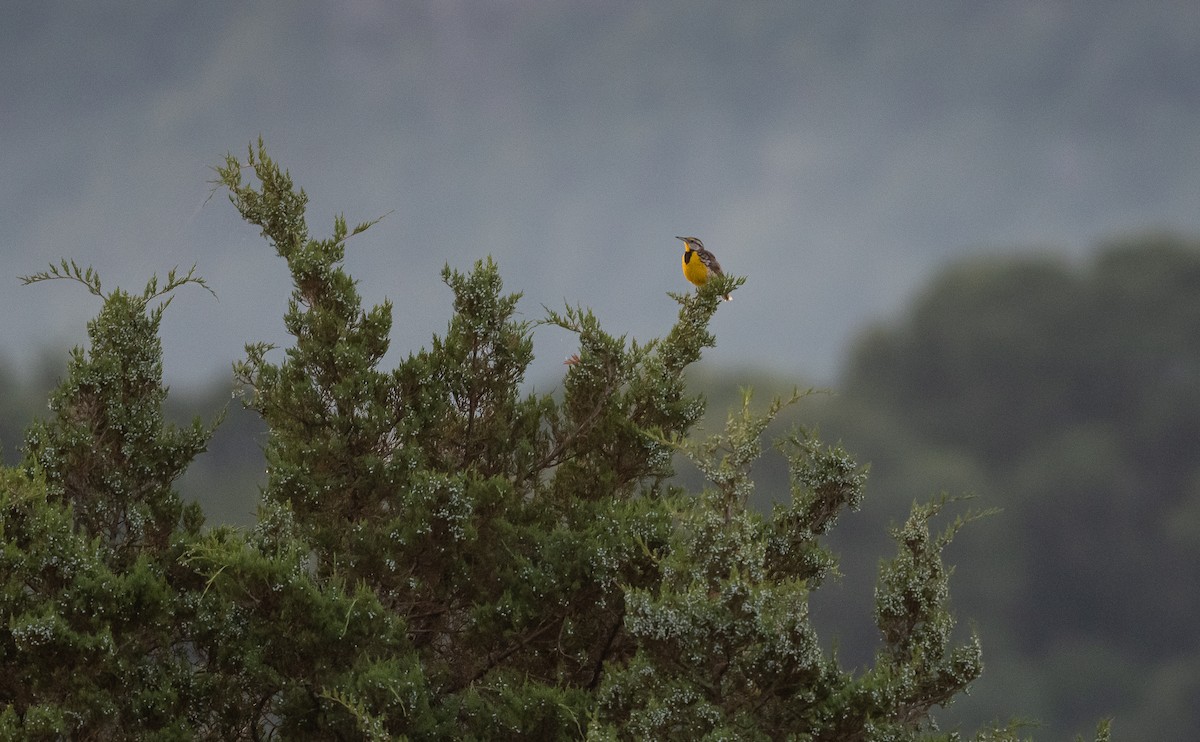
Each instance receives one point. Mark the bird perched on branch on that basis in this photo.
(698, 263)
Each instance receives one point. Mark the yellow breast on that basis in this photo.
(694, 269)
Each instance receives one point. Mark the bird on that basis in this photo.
(698, 262)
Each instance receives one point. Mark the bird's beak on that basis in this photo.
(680, 238)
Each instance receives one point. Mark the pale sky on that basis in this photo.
(835, 155)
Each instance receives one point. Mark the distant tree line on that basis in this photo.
(1066, 393)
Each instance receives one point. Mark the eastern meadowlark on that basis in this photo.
(698, 262)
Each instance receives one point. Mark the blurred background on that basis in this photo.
(973, 223)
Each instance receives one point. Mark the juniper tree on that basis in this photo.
(95, 644)
(500, 527)
(108, 451)
(529, 547)
(440, 553)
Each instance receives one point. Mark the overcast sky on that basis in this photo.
(835, 154)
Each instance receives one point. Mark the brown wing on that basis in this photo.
(709, 260)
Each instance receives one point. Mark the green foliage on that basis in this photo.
(496, 525)
(107, 451)
(79, 625)
(92, 532)
(440, 555)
